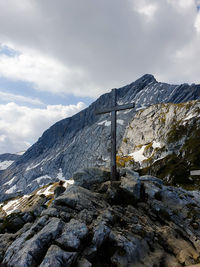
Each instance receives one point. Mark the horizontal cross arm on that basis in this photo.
(116, 108)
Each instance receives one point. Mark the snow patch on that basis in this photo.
(11, 206)
(156, 144)
(10, 182)
(49, 190)
(32, 167)
(60, 175)
(38, 180)
(68, 183)
(127, 111)
(5, 164)
(189, 117)
(11, 190)
(120, 122)
(138, 155)
(46, 191)
(20, 153)
(106, 123)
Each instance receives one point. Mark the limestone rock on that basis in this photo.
(78, 198)
(26, 252)
(90, 176)
(84, 228)
(131, 187)
(101, 233)
(72, 234)
(57, 257)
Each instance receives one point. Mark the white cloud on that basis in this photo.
(145, 7)
(20, 98)
(184, 4)
(87, 47)
(197, 23)
(20, 126)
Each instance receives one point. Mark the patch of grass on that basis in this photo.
(121, 161)
(176, 132)
(191, 148)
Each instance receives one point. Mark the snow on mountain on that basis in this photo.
(83, 140)
(5, 164)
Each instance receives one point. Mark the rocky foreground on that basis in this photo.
(135, 221)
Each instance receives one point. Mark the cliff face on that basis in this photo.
(164, 140)
(84, 139)
(135, 221)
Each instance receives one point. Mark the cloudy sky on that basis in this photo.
(56, 57)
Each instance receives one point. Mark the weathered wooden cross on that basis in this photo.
(113, 109)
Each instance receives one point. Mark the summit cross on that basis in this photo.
(113, 109)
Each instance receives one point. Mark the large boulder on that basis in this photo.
(57, 257)
(72, 234)
(90, 176)
(29, 249)
(156, 226)
(78, 198)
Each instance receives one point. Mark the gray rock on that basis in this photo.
(27, 252)
(83, 263)
(5, 241)
(52, 212)
(90, 176)
(126, 171)
(78, 198)
(39, 223)
(72, 234)
(129, 249)
(132, 187)
(56, 257)
(28, 217)
(151, 179)
(101, 233)
(87, 215)
(65, 216)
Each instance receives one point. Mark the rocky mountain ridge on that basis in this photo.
(135, 221)
(84, 139)
(164, 139)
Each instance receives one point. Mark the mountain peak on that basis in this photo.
(83, 140)
(148, 77)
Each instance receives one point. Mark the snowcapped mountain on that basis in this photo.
(83, 140)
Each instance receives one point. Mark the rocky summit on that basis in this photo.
(134, 221)
(83, 140)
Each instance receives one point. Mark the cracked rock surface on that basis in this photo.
(135, 221)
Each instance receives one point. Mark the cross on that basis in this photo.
(113, 109)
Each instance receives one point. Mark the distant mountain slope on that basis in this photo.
(6, 160)
(84, 139)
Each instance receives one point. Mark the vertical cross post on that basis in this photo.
(113, 137)
(113, 109)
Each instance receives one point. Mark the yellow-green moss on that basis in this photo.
(125, 140)
(176, 132)
(121, 161)
(147, 147)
